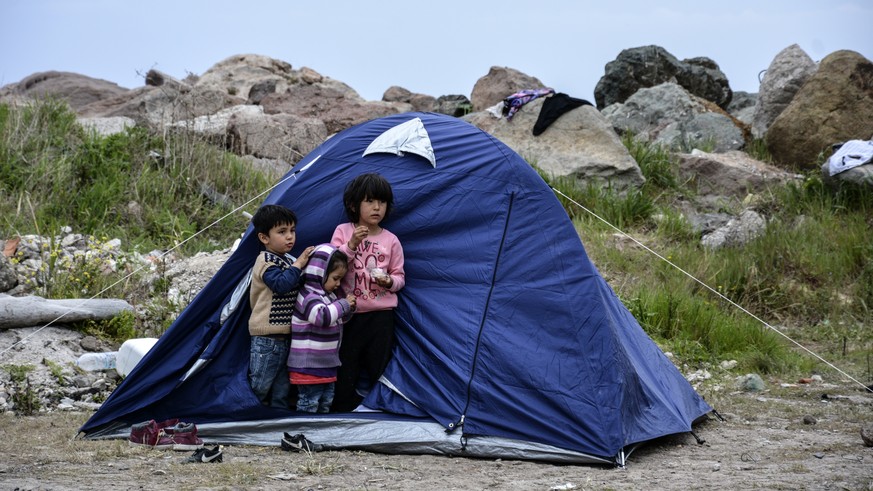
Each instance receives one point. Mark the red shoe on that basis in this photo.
(182, 436)
(148, 433)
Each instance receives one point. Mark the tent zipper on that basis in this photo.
(460, 422)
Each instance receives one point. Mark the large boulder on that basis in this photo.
(580, 143)
(78, 90)
(668, 115)
(702, 77)
(834, 105)
(787, 73)
(213, 127)
(284, 137)
(419, 102)
(157, 107)
(648, 66)
(456, 105)
(499, 83)
(336, 107)
(237, 74)
(861, 176)
(731, 174)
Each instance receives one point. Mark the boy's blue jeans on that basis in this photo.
(314, 398)
(268, 371)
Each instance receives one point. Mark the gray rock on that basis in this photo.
(786, 74)
(81, 382)
(71, 240)
(580, 143)
(649, 66)
(310, 76)
(702, 77)
(732, 174)
(78, 90)
(419, 102)
(284, 137)
(737, 231)
(334, 103)
(8, 276)
(238, 74)
(155, 107)
(188, 277)
(213, 127)
(705, 223)
(858, 176)
(809, 420)
(453, 105)
(742, 106)
(751, 382)
(89, 343)
(668, 115)
(260, 90)
(867, 436)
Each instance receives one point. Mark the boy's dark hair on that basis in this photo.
(268, 216)
(372, 186)
(338, 258)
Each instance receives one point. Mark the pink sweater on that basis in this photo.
(382, 250)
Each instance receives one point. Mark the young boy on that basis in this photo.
(316, 329)
(276, 278)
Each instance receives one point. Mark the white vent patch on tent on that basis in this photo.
(405, 137)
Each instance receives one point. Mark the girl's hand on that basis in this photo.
(361, 232)
(351, 299)
(384, 281)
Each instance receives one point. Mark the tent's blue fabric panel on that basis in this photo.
(503, 320)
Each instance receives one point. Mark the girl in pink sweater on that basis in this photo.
(375, 276)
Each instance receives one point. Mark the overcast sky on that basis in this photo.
(436, 48)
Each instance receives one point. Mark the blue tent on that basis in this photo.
(509, 342)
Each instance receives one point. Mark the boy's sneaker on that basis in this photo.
(148, 433)
(207, 455)
(182, 436)
(298, 443)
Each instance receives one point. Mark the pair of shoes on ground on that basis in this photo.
(207, 455)
(165, 435)
(298, 443)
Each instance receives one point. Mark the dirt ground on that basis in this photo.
(763, 444)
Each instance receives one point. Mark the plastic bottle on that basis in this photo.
(93, 362)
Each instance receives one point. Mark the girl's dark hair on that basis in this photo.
(338, 258)
(268, 216)
(372, 186)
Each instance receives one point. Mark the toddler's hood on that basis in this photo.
(315, 271)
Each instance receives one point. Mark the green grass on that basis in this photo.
(810, 274)
(144, 188)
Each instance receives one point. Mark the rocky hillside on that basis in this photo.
(265, 108)
(274, 114)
